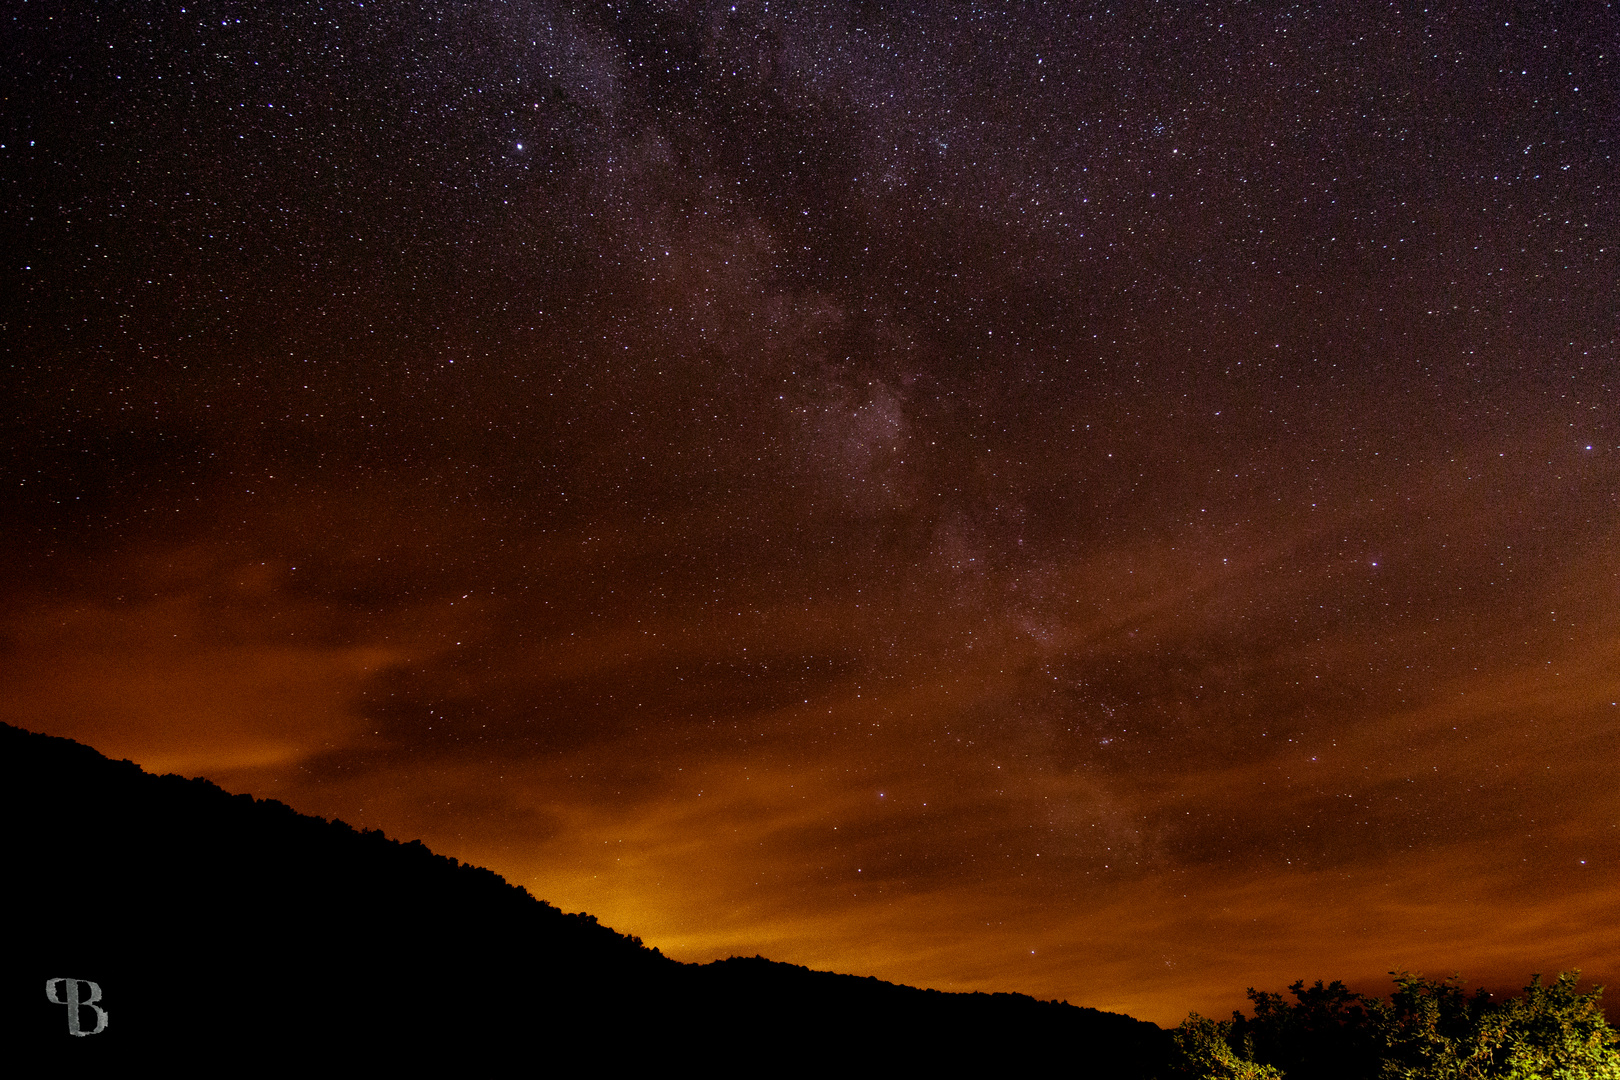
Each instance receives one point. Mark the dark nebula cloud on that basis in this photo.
(1115, 503)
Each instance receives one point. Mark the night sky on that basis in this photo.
(1114, 502)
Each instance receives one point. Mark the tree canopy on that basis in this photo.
(1427, 1030)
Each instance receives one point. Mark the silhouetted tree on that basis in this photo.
(1329, 1033)
(1431, 1029)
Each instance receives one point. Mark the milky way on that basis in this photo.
(1115, 503)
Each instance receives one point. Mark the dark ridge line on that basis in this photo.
(316, 934)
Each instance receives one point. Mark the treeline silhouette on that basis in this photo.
(224, 930)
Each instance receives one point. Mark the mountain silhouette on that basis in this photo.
(222, 930)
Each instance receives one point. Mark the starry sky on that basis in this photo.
(1118, 502)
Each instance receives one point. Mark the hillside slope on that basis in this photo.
(219, 926)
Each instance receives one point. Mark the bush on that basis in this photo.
(1209, 1050)
(1427, 1030)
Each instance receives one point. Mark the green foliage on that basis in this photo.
(1554, 1032)
(1207, 1052)
(1427, 1030)
(1432, 1031)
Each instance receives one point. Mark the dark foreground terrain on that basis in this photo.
(224, 930)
